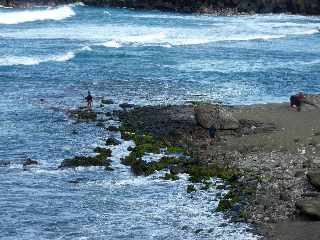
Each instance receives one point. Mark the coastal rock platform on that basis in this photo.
(273, 149)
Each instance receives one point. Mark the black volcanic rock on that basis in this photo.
(220, 7)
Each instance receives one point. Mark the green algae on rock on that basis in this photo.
(82, 114)
(101, 159)
(191, 188)
(170, 176)
(112, 141)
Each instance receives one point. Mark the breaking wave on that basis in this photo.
(22, 60)
(168, 40)
(1, 6)
(17, 17)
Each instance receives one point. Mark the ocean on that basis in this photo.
(59, 53)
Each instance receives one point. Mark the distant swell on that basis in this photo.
(169, 40)
(17, 17)
(22, 60)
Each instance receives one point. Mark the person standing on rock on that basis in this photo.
(296, 101)
(89, 100)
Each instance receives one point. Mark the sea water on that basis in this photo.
(142, 57)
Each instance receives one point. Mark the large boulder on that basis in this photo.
(208, 115)
(310, 208)
(314, 179)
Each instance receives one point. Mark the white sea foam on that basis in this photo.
(17, 17)
(77, 4)
(36, 60)
(107, 12)
(306, 32)
(1, 6)
(112, 44)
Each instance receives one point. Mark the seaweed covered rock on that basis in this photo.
(208, 115)
(112, 129)
(83, 114)
(191, 188)
(170, 176)
(112, 141)
(82, 161)
(140, 167)
(101, 159)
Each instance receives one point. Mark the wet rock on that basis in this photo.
(112, 129)
(127, 105)
(217, 7)
(100, 124)
(314, 179)
(170, 176)
(178, 168)
(208, 115)
(108, 168)
(82, 161)
(236, 208)
(185, 227)
(191, 188)
(107, 101)
(4, 163)
(112, 141)
(284, 196)
(83, 115)
(29, 162)
(78, 180)
(310, 208)
(222, 225)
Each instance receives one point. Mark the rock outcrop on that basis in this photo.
(208, 115)
(101, 159)
(314, 178)
(220, 7)
(82, 114)
(310, 208)
(29, 162)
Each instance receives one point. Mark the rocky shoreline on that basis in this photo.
(268, 155)
(217, 7)
(274, 151)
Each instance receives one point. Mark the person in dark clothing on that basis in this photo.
(89, 99)
(212, 134)
(296, 101)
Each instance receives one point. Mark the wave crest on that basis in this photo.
(168, 40)
(17, 17)
(22, 60)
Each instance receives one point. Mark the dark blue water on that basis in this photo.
(57, 54)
